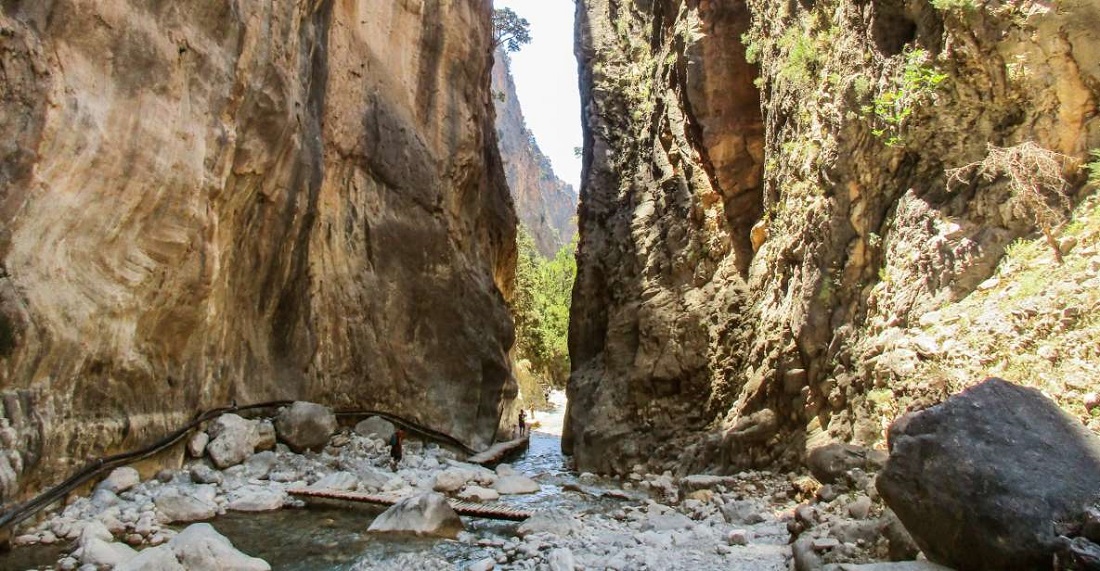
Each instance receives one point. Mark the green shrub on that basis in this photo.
(1094, 168)
(918, 80)
(955, 5)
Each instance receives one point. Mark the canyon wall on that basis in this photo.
(545, 204)
(227, 201)
(765, 212)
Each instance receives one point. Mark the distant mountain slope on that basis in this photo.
(544, 203)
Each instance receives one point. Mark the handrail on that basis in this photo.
(20, 513)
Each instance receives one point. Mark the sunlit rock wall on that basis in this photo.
(215, 201)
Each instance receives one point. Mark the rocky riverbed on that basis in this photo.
(239, 472)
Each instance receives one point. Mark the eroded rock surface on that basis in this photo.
(758, 238)
(213, 202)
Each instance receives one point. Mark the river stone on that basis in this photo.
(561, 559)
(375, 427)
(196, 446)
(742, 512)
(305, 425)
(120, 480)
(370, 477)
(830, 463)
(260, 464)
(450, 480)
(186, 504)
(979, 480)
(233, 440)
(553, 521)
(515, 484)
(337, 481)
(478, 494)
(265, 435)
(100, 553)
(256, 499)
(158, 558)
(425, 514)
(201, 548)
(203, 474)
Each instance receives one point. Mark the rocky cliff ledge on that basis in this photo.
(765, 210)
(545, 204)
(214, 201)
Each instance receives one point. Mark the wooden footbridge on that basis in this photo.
(486, 510)
(498, 452)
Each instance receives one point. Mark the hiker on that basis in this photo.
(522, 421)
(395, 448)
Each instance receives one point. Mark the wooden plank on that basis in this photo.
(497, 452)
(483, 510)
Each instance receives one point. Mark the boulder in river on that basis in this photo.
(232, 440)
(305, 425)
(120, 480)
(981, 480)
(375, 427)
(201, 548)
(424, 514)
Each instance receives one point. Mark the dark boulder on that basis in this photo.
(981, 480)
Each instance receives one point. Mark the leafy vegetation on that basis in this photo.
(804, 55)
(918, 81)
(955, 5)
(544, 290)
(509, 30)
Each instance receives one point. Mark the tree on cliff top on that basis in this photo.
(509, 30)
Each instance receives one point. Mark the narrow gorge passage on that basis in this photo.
(780, 257)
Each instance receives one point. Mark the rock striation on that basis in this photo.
(765, 210)
(545, 204)
(225, 201)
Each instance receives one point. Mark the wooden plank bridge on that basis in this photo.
(496, 453)
(486, 510)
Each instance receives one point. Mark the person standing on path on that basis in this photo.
(395, 448)
(522, 421)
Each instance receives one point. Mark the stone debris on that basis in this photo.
(744, 521)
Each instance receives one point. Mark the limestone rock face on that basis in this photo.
(757, 238)
(215, 201)
(545, 204)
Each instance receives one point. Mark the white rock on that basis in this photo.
(552, 521)
(425, 514)
(153, 559)
(193, 503)
(505, 470)
(120, 480)
(196, 446)
(203, 474)
(738, 537)
(103, 499)
(487, 564)
(97, 552)
(478, 494)
(94, 529)
(515, 485)
(561, 559)
(375, 427)
(256, 499)
(450, 480)
(337, 481)
(233, 440)
(67, 563)
(260, 464)
(201, 548)
(265, 435)
(305, 425)
(667, 521)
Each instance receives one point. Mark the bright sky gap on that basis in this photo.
(545, 72)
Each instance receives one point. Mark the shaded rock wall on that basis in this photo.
(752, 253)
(545, 204)
(216, 201)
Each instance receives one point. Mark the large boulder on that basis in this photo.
(158, 558)
(375, 427)
(233, 439)
(981, 480)
(425, 514)
(120, 480)
(186, 503)
(515, 484)
(201, 548)
(305, 425)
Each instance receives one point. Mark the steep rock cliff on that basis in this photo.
(545, 204)
(219, 201)
(758, 238)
